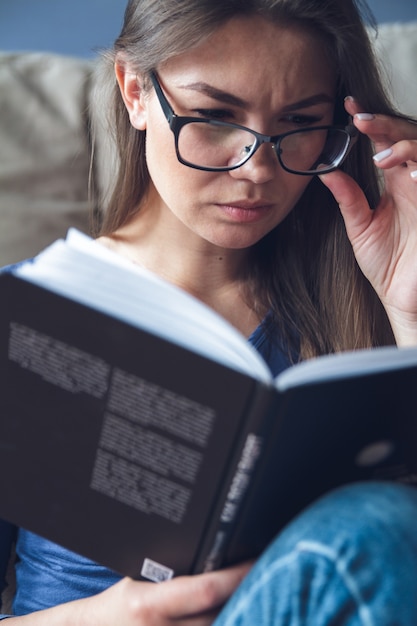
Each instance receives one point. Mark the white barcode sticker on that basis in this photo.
(155, 571)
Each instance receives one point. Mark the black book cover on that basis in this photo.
(156, 461)
(114, 442)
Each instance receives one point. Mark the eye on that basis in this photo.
(302, 120)
(214, 114)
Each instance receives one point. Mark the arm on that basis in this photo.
(384, 240)
(193, 600)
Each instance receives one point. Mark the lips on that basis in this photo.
(244, 211)
(247, 205)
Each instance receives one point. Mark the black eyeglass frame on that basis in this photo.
(176, 122)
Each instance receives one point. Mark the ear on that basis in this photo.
(132, 93)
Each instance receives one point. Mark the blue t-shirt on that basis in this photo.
(47, 574)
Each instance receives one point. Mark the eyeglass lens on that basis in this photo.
(220, 146)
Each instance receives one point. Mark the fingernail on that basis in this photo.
(414, 175)
(350, 99)
(365, 117)
(380, 156)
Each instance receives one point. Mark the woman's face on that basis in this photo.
(250, 72)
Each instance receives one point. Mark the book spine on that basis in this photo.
(238, 482)
(238, 488)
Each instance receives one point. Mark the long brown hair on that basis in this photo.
(304, 271)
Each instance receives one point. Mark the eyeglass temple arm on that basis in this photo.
(166, 107)
(353, 133)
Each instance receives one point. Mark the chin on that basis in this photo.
(238, 242)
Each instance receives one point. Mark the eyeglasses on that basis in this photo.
(216, 146)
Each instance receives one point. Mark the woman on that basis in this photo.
(301, 257)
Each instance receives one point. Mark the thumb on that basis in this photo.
(352, 202)
(195, 595)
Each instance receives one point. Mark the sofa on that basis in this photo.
(48, 106)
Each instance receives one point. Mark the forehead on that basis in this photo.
(252, 56)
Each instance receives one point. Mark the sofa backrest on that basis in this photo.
(44, 150)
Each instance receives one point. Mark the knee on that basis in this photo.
(373, 518)
(350, 554)
(366, 507)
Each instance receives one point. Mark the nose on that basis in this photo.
(260, 168)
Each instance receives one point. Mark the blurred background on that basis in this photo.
(80, 27)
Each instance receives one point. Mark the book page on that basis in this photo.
(89, 273)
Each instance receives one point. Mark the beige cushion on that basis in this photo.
(44, 150)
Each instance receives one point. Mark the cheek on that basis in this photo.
(300, 185)
(289, 190)
(160, 145)
(171, 179)
(161, 157)
(172, 182)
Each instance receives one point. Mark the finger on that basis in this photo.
(396, 128)
(351, 200)
(395, 139)
(194, 595)
(383, 130)
(402, 153)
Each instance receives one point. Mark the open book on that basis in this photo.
(140, 429)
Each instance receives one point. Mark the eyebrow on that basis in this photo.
(318, 98)
(217, 94)
(228, 98)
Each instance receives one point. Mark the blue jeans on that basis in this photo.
(348, 560)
